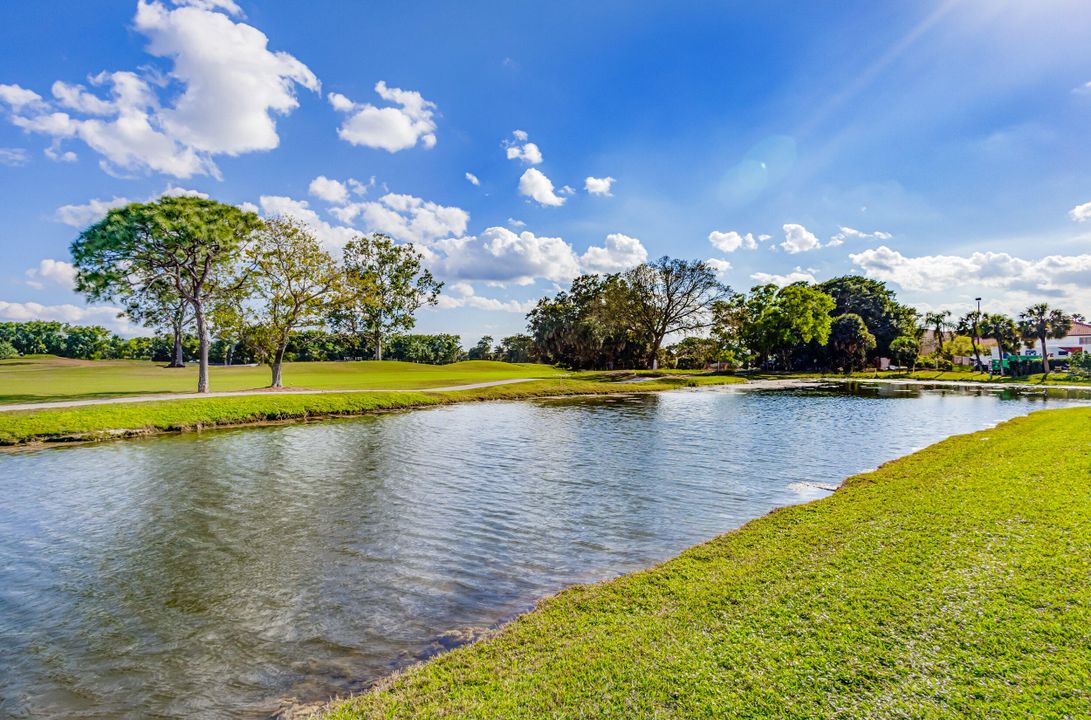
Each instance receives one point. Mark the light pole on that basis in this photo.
(977, 337)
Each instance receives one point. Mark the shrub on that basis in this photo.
(7, 350)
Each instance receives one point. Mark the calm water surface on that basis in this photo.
(218, 575)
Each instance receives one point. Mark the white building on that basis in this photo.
(1078, 339)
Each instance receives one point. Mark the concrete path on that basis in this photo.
(243, 393)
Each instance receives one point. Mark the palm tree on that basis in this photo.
(1004, 331)
(969, 324)
(938, 323)
(1041, 322)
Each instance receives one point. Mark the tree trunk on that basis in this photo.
(277, 366)
(202, 341)
(654, 361)
(977, 354)
(177, 358)
(379, 348)
(1045, 357)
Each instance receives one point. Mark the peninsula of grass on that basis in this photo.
(953, 583)
(115, 420)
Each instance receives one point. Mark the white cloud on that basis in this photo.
(76, 314)
(463, 295)
(231, 85)
(472, 178)
(1054, 275)
(58, 272)
(1084, 89)
(502, 256)
(54, 153)
(520, 149)
(797, 275)
(798, 239)
(1081, 213)
(731, 241)
(845, 233)
(175, 191)
(620, 252)
(332, 237)
(19, 97)
(535, 184)
(332, 191)
(406, 218)
(14, 157)
(227, 6)
(598, 186)
(388, 128)
(516, 223)
(80, 216)
(720, 265)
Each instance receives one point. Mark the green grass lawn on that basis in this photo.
(131, 419)
(42, 379)
(1054, 378)
(953, 583)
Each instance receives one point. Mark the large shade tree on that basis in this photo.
(385, 285)
(876, 305)
(850, 342)
(1040, 323)
(294, 284)
(190, 244)
(670, 296)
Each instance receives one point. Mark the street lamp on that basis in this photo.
(977, 337)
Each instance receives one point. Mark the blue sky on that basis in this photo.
(940, 146)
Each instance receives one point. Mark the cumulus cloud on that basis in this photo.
(619, 253)
(519, 148)
(76, 314)
(1054, 275)
(798, 239)
(462, 294)
(720, 265)
(332, 237)
(80, 216)
(534, 184)
(797, 275)
(400, 126)
(19, 98)
(845, 233)
(227, 6)
(406, 218)
(599, 186)
(516, 223)
(731, 241)
(232, 85)
(14, 157)
(332, 191)
(56, 272)
(472, 178)
(1081, 213)
(501, 256)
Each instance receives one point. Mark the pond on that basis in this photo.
(229, 573)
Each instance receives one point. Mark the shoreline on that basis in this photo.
(27, 430)
(553, 628)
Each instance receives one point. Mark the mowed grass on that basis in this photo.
(47, 378)
(953, 583)
(1054, 378)
(94, 422)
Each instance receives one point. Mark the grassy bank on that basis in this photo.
(952, 583)
(127, 420)
(47, 378)
(1054, 378)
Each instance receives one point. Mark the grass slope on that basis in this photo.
(121, 420)
(1054, 378)
(45, 378)
(953, 583)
